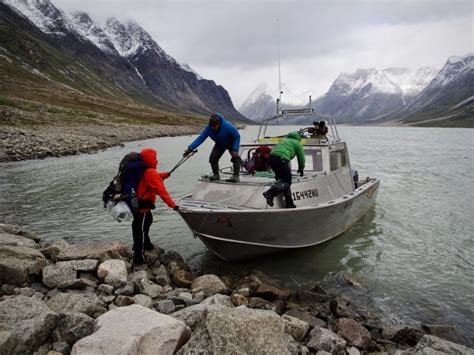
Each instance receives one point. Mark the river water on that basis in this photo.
(414, 250)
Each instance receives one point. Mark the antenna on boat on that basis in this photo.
(279, 110)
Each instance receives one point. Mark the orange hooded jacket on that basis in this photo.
(151, 183)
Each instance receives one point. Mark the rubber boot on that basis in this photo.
(215, 172)
(269, 195)
(288, 198)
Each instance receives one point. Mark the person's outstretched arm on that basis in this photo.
(201, 138)
(154, 180)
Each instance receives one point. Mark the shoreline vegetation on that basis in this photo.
(63, 298)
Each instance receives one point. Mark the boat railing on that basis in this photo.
(286, 114)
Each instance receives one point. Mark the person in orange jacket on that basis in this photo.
(150, 185)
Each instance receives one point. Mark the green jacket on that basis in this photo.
(289, 147)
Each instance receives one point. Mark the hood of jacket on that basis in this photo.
(294, 135)
(149, 157)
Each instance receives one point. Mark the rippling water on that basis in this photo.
(414, 250)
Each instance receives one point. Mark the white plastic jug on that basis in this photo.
(120, 212)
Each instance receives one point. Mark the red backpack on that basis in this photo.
(259, 159)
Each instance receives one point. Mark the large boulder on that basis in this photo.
(18, 230)
(297, 328)
(25, 324)
(321, 339)
(430, 344)
(239, 330)
(209, 284)
(113, 272)
(18, 264)
(87, 303)
(17, 240)
(98, 251)
(134, 330)
(354, 332)
(64, 274)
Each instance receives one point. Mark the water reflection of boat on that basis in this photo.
(234, 221)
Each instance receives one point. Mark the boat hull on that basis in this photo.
(240, 234)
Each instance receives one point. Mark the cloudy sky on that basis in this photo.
(234, 42)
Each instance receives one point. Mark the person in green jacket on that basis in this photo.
(279, 161)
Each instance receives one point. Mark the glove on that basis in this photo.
(176, 208)
(186, 152)
(301, 172)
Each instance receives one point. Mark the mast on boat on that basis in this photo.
(280, 113)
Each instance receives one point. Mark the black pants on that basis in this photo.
(140, 228)
(216, 154)
(282, 170)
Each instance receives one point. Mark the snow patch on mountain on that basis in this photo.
(92, 32)
(43, 15)
(455, 67)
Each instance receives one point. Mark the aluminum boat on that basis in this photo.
(234, 221)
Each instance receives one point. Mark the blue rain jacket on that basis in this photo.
(227, 136)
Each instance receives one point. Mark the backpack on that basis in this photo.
(259, 159)
(131, 169)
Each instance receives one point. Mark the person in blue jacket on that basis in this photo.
(226, 137)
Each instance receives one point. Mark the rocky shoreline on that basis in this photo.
(76, 299)
(42, 141)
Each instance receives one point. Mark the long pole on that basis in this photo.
(279, 69)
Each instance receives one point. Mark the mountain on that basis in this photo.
(449, 97)
(261, 103)
(371, 95)
(116, 60)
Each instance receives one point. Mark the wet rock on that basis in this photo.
(25, 324)
(87, 303)
(209, 284)
(183, 278)
(172, 256)
(307, 317)
(277, 306)
(18, 265)
(295, 327)
(341, 307)
(271, 293)
(153, 333)
(143, 300)
(321, 339)
(239, 330)
(247, 285)
(308, 298)
(402, 334)
(113, 272)
(354, 332)
(445, 331)
(98, 251)
(17, 240)
(64, 274)
(18, 230)
(430, 344)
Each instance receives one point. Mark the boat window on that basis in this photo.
(313, 161)
(338, 159)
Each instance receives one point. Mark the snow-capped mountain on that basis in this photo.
(450, 93)
(261, 103)
(372, 94)
(127, 57)
(43, 14)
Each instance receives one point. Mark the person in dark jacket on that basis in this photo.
(226, 137)
(150, 185)
(280, 158)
